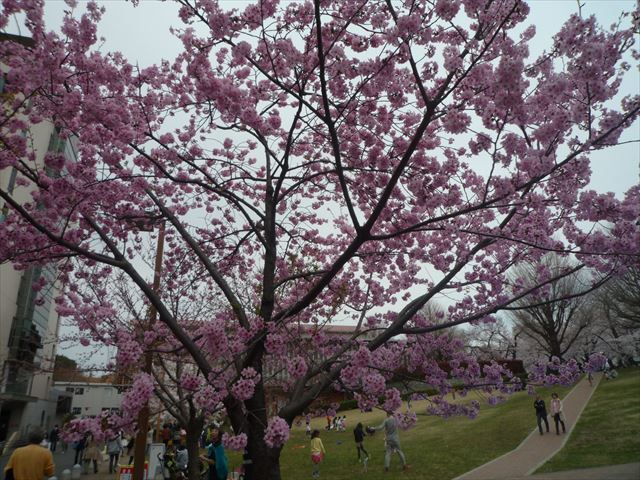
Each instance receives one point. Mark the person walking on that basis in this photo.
(541, 413)
(54, 436)
(556, 411)
(392, 443)
(358, 435)
(79, 448)
(114, 447)
(92, 453)
(32, 462)
(130, 448)
(317, 453)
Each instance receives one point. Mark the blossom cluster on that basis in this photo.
(243, 389)
(139, 394)
(406, 419)
(555, 372)
(234, 442)
(277, 432)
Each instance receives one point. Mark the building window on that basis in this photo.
(76, 411)
(79, 391)
(70, 389)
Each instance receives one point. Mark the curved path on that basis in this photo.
(536, 449)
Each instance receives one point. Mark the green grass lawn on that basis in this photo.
(608, 432)
(435, 448)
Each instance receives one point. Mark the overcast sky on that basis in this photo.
(142, 35)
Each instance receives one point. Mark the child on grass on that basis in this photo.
(317, 453)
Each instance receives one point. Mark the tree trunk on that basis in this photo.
(555, 348)
(265, 460)
(194, 429)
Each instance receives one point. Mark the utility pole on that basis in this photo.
(143, 416)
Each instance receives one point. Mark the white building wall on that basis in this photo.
(38, 408)
(91, 399)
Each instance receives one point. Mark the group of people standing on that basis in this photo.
(556, 411)
(337, 423)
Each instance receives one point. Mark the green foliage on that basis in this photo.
(348, 405)
(608, 432)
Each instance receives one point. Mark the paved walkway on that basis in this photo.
(536, 449)
(628, 471)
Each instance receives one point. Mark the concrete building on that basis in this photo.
(28, 320)
(90, 399)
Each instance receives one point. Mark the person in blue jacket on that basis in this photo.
(216, 458)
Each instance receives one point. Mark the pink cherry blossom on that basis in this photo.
(310, 166)
(277, 432)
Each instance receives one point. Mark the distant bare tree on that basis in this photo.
(495, 340)
(619, 302)
(555, 317)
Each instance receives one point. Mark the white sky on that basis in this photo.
(142, 35)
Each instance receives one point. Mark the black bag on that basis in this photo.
(9, 475)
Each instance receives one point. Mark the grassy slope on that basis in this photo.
(435, 448)
(608, 432)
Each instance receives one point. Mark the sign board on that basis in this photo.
(156, 452)
(126, 472)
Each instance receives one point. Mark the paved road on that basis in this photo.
(536, 449)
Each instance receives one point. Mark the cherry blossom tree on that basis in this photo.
(317, 161)
(175, 383)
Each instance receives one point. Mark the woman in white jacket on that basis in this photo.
(556, 411)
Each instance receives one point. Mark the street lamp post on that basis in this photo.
(143, 416)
